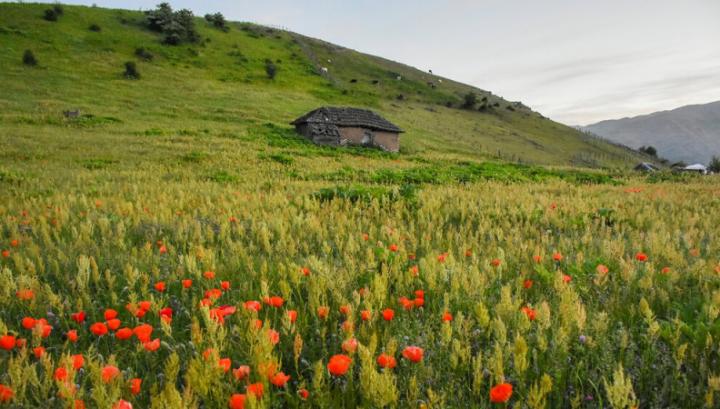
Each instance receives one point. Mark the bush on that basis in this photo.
(94, 27)
(177, 26)
(50, 15)
(648, 150)
(58, 9)
(469, 100)
(131, 71)
(714, 165)
(144, 54)
(270, 69)
(218, 21)
(29, 58)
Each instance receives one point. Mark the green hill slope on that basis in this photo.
(216, 93)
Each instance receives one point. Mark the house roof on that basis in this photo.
(362, 118)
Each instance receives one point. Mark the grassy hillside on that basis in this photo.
(215, 96)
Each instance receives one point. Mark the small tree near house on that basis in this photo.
(714, 165)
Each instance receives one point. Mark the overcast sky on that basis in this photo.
(576, 61)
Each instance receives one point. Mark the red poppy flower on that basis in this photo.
(135, 385)
(273, 336)
(339, 364)
(209, 275)
(529, 312)
(566, 278)
(79, 404)
(323, 312)
(6, 394)
(143, 332)
(60, 374)
(144, 305)
(419, 302)
(28, 322)
(124, 333)
(413, 353)
(44, 330)
(642, 257)
(110, 314)
(386, 361)
(393, 247)
(14, 243)
(305, 271)
(258, 324)
(406, 303)
(78, 317)
(665, 270)
(495, 262)
(113, 324)
(187, 283)
(152, 346)
(123, 404)
(602, 269)
(72, 335)
(274, 301)
(241, 372)
(163, 249)
(447, 317)
(25, 295)
(414, 270)
(279, 379)
(388, 314)
(225, 364)
(468, 253)
(166, 312)
(537, 259)
(527, 284)
(255, 389)
(501, 393)
(225, 285)
(5, 253)
(99, 329)
(303, 393)
(365, 236)
(38, 352)
(77, 361)
(253, 305)
(419, 294)
(344, 309)
(557, 257)
(441, 258)
(237, 401)
(160, 286)
(350, 345)
(109, 373)
(365, 315)
(292, 315)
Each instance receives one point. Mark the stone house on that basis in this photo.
(348, 126)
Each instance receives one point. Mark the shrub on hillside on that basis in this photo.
(469, 100)
(29, 58)
(58, 9)
(176, 26)
(270, 69)
(218, 21)
(144, 53)
(131, 71)
(94, 27)
(50, 15)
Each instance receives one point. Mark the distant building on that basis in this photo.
(646, 167)
(348, 126)
(697, 168)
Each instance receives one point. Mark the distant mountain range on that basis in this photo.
(690, 134)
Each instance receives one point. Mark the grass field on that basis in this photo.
(178, 246)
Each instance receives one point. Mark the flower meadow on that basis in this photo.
(145, 293)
